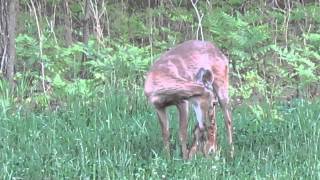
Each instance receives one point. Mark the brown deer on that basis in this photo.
(196, 72)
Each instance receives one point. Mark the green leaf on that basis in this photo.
(58, 82)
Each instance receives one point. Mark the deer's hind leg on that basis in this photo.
(164, 123)
(222, 93)
(183, 122)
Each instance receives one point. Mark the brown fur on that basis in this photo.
(172, 80)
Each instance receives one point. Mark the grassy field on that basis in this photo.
(116, 135)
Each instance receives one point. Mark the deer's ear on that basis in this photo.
(204, 76)
(207, 77)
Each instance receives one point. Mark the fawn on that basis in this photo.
(197, 72)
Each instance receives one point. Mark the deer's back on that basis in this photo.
(179, 65)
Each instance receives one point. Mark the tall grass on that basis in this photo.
(115, 135)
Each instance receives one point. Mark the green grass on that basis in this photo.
(116, 136)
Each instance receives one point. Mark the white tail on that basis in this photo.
(196, 72)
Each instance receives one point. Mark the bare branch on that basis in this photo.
(194, 4)
(40, 46)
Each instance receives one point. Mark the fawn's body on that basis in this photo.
(172, 80)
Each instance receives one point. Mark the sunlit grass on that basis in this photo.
(116, 135)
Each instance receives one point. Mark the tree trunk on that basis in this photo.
(3, 35)
(67, 23)
(11, 42)
(8, 36)
(85, 35)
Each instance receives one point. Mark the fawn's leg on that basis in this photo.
(165, 129)
(212, 145)
(222, 93)
(228, 123)
(183, 122)
(201, 107)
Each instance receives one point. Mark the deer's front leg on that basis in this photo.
(165, 129)
(212, 145)
(183, 122)
(199, 133)
(199, 138)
